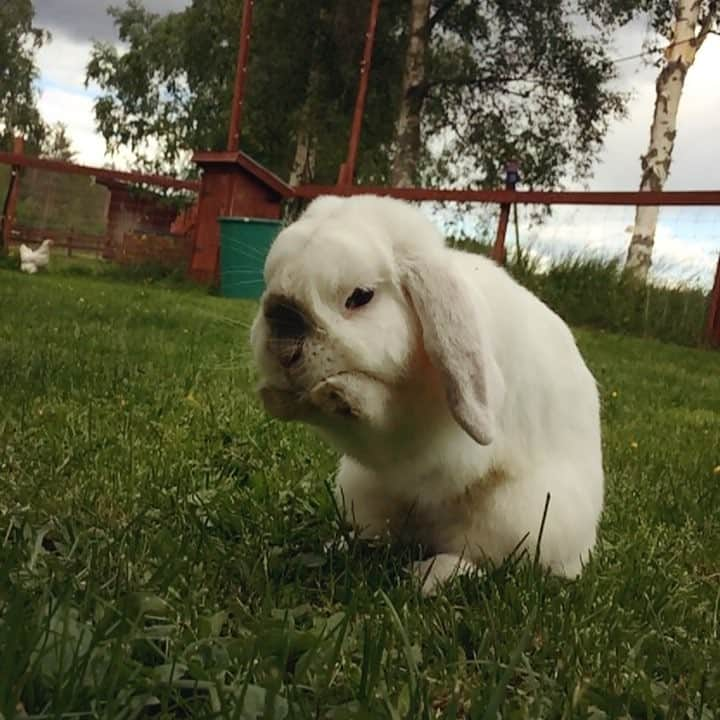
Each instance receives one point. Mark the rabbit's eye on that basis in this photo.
(359, 297)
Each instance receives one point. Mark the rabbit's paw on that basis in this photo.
(334, 397)
(439, 569)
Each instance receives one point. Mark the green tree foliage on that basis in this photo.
(518, 80)
(174, 84)
(20, 39)
(504, 80)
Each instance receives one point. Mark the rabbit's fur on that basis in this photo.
(458, 399)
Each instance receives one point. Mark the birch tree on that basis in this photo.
(407, 141)
(690, 24)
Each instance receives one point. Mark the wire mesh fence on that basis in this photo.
(105, 215)
(687, 238)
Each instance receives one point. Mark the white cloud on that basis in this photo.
(64, 97)
(697, 145)
(62, 62)
(75, 110)
(688, 248)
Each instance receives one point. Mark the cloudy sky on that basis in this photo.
(687, 238)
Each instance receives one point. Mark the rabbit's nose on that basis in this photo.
(288, 329)
(285, 319)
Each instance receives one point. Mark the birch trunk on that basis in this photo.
(655, 164)
(303, 167)
(407, 141)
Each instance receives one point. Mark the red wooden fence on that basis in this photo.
(70, 241)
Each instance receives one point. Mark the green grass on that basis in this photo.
(168, 551)
(87, 265)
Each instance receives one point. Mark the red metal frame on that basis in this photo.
(233, 143)
(347, 170)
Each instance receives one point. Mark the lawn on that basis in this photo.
(169, 551)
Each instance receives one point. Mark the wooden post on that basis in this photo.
(347, 173)
(712, 331)
(499, 252)
(10, 205)
(233, 144)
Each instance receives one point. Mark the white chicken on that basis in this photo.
(31, 260)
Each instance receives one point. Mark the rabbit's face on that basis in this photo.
(335, 334)
(367, 324)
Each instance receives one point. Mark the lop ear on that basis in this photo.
(457, 344)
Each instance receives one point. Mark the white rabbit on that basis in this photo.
(458, 399)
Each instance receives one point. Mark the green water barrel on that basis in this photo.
(244, 245)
